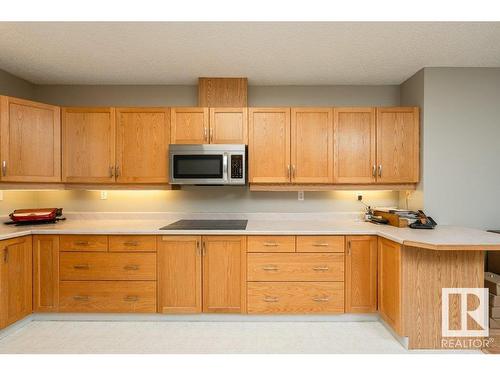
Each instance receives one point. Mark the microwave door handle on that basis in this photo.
(224, 167)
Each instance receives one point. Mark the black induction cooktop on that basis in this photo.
(207, 225)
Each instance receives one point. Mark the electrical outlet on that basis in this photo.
(104, 195)
(300, 196)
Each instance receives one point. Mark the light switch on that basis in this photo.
(300, 196)
(104, 195)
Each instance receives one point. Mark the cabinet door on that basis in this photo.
(269, 145)
(142, 139)
(398, 145)
(45, 273)
(189, 125)
(88, 142)
(15, 280)
(354, 145)
(179, 274)
(228, 125)
(30, 135)
(224, 274)
(361, 274)
(312, 145)
(389, 282)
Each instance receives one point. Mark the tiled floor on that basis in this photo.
(200, 337)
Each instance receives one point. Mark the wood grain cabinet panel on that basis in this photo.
(190, 125)
(45, 273)
(229, 125)
(269, 145)
(389, 283)
(179, 274)
(295, 297)
(16, 280)
(142, 139)
(271, 244)
(320, 244)
(312, 145)
(30, 135)
(361, 274)
(398, 145)
(354, 145)
(132, 243)
(224, 274)
(88, 143)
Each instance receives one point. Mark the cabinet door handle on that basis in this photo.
(203, 249)
(321, 299)
(131, 299)
(198, 250)
(271, 299)
(81, 298)
(111, 174)
(271, 244)
(205, 133)
(131, 243)
(348, 247)
(81, 267)
(4, 167)
(6, 255)
(321, 268)
(131, 267)
(82, 243)
(323, 244)
(270, 267)
(117, 171)
(212, 131)
(374, 170)
(380, 170)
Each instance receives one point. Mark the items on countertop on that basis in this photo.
(33, 216)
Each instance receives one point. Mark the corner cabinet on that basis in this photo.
(30, 134)
(45, 273)
(15, 280)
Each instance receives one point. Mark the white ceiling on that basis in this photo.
(267, 53)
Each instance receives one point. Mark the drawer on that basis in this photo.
(271, 244)
(83, 243)
(107, 266)
(107, 296)
(295, 267)
(295, 297)
(132, 243)
(320, 244)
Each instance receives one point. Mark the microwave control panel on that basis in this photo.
(236, 166)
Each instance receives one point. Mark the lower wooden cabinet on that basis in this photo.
(361, 274)
(45, 273)
(15, 280)
(389, 283)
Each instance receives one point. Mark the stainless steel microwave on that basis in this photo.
(207, 164)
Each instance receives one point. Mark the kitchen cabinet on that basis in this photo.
(224, 274)
(354, 145)
(142, 139)
(179, 274)
(229, 125)
(45, 273)
(312, 145)
(389, 283)
(30, 134)
(189, 125)
(398, 145)
(15, 279)
(269, 145)
(88, 143)
(361, 274)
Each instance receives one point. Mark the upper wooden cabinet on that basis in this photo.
(88, 142)
(142, 139)
(15, 280)
(354, 145)
(312, 145)
(228, 125)
(398, 145)
(189, 125)
(269, 145)
(30, 135)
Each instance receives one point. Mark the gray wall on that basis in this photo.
(12, 86)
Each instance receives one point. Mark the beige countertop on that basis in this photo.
(441, 238)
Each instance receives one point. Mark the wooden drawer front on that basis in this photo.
(107, 296)
(107, 266)
(295, 297)
(271, 244)
(295, 267)
(132, 243)
(83, 243)
(320, 244)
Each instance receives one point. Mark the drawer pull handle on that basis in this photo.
(81, 298)
(321, 268)
(321, 299)
(131, 267)
(271, 299)
(271, 244)
(81, 266)
(131, 298)
(270, 267)
(131, 243)
(82, 243)
(324, 244)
